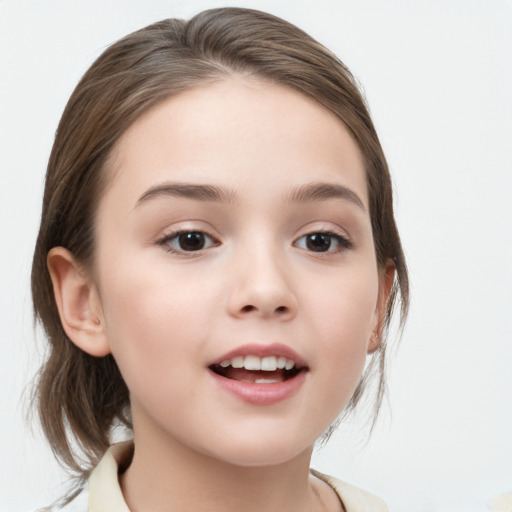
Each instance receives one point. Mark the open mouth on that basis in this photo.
(258, 370)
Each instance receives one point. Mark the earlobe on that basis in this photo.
(78, 303)
(385, 285)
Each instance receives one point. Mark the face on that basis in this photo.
(234, 239)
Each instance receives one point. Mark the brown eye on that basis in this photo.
(187, 241)
(323, 242)
(193, 241)
(318, 242)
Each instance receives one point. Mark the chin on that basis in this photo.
(257, 458)
(261, 452)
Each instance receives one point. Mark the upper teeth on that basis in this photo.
(268, 364)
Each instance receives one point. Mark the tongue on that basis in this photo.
(244, 375)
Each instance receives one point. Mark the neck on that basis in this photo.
(168, 476)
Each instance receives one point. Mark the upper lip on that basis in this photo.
(258, 350)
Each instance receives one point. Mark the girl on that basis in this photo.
(216, 258)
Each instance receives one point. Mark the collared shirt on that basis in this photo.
(105, 493)
(502, 503)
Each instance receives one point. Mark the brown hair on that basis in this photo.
(80, 397)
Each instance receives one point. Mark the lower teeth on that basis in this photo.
(254, 377)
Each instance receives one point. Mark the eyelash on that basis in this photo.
(342, 243)
(166, 241)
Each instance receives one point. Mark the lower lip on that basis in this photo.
(261, 394)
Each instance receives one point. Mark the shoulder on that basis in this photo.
(502, 503)
(78, 504)
(353, 498)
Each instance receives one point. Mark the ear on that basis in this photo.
(386, 279)
(78, 303)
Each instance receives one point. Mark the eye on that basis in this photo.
(187, 241)
(323, 241)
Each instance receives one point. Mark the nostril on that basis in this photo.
(248, 308)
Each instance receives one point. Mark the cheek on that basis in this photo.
(152, 321)
(343, 318)
(344, 310)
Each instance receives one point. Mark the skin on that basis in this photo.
(166, 315)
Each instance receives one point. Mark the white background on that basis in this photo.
(438, 77)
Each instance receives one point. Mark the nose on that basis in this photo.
(261, 287)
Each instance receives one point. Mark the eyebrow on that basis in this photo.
(313, 192)
(310, 192)
(189, 191)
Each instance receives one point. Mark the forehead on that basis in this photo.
(240, 132)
